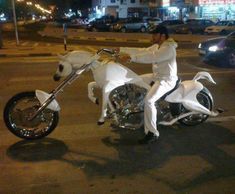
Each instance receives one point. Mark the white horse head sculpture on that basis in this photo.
(73, 60)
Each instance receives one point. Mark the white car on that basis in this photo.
(154, 21)
(221, 27)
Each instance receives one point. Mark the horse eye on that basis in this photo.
(61, 67)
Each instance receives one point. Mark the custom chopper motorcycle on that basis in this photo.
(35, 114)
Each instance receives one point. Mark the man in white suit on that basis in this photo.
(162, 56)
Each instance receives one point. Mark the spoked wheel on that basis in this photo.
(195, 119)
(18, 111)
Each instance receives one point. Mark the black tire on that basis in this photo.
(16, 118)
(123, 30)
(142, 29)
(205, 99)
(93, 29)
(190, 31)
(223, 32)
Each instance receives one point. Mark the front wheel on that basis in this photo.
(18, 111)
(123, 30)
(204, 99)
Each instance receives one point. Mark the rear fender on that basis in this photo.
(187, 91)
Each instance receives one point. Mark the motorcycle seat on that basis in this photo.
(176, 86)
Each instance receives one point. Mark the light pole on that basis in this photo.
(15, 22)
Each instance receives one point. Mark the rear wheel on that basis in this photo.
(195, 119)
(18, 111)
(94, 29)
(223, 32)
(190, 31)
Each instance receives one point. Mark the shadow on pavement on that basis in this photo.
(37, 150)
(202, 141)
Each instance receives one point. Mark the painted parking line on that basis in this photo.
(91, 49)
(30, 78)
(25, 43)
(221, 119)
(35, 44)
(211, 72)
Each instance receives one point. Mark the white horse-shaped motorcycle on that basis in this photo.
(114, 78)
(34, 114)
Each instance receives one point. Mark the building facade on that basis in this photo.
(167, 9)
(121, 8)
(216, 9)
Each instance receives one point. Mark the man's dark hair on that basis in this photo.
(160, 29)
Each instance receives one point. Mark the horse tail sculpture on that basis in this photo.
(204, 75)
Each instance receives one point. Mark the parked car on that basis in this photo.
(219, 51)
(130, 24)
(154, 21)
(193, 26)
(221, 27)
(101, 24)
(171, 24)
(1, 42)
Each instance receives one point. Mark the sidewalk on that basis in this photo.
(33, 50)
(78, 34)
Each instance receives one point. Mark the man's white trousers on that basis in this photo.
(159, 88)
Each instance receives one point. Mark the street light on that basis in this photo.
(15, 22)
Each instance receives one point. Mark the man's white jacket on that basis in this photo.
(163, 58)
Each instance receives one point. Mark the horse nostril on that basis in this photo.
(56, 77)
(61, 67)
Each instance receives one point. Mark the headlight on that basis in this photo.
(215, 48)
(200, 45)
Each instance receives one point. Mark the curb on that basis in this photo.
(119, 40)
(28, 55)
(3, 55)
(39, 54)
(107, 39)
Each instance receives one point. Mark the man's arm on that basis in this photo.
(136, 51)
(156, 56)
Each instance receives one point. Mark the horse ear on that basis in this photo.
(62, 57)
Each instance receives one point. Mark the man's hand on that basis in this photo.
(125, 58)
(117, 50)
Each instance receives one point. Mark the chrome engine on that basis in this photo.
(127, 106)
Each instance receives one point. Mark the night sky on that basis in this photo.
(68, 3)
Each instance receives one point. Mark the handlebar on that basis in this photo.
(109, 51)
